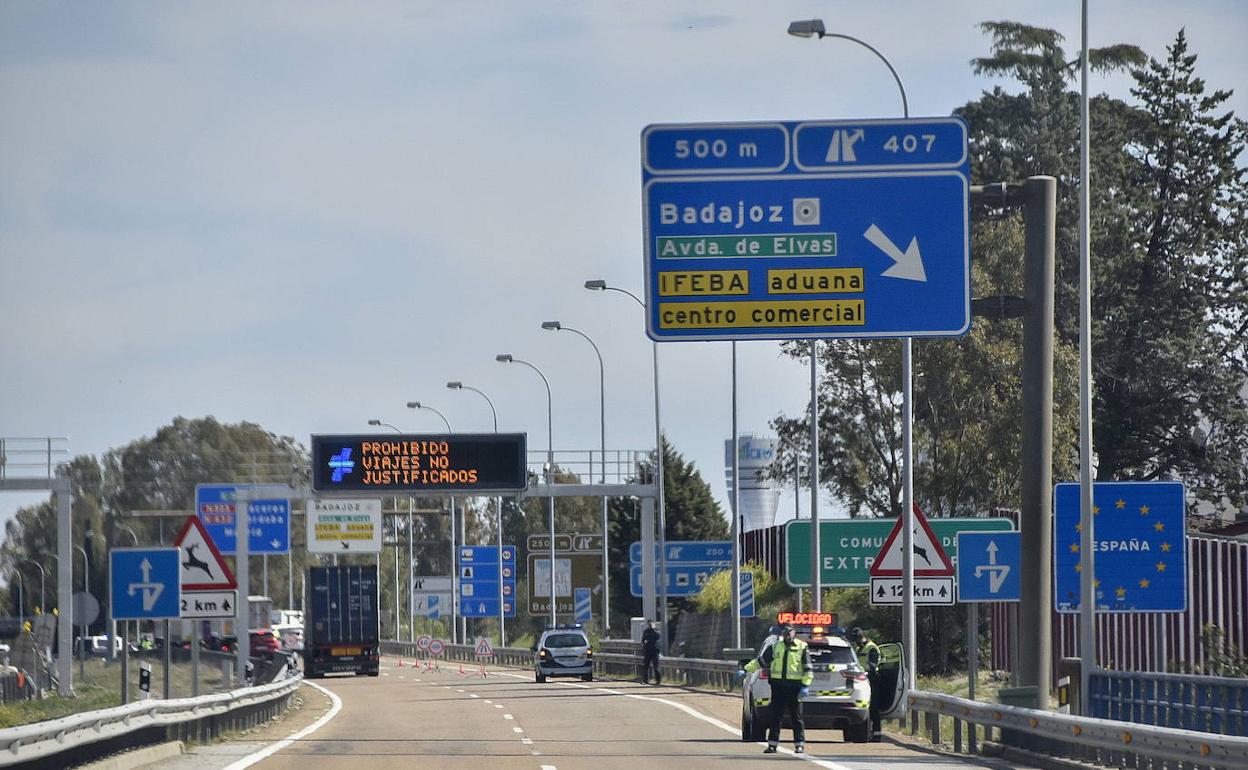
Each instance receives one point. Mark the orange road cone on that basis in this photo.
(400, 663)
(461, 669)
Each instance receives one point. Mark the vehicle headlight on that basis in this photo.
(589, 653)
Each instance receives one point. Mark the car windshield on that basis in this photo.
(566, 640)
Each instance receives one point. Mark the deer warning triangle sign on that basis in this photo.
(930, 559)
(201, 564)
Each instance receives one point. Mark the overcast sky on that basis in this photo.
(304, 214)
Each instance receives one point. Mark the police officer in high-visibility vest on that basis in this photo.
(869, 657)
(789, 674)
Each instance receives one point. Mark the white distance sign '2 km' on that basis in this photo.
(344, 526)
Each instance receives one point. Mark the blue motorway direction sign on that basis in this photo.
(747, 594)
(988, 566)
(584, 605)
(1139, 550)
(479, 581)
(144, 583)
(807, 229)
(269, 520)
(682, 579)
(684, 551)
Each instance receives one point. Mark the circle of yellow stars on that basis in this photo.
(1160, 566)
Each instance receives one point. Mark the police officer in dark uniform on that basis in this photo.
(869, 656)
(789, 673)
(650, 649)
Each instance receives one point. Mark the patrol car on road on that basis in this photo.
(840, 695)
(563, 651)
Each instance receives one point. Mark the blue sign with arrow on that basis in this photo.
(988, 566)
(687, 551)
(144, 583)
(821, 229)
(269, 520)
(479, 581)
(1139, 546)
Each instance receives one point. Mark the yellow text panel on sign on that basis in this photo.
(692, 283)
(761, 315)
(815, 280)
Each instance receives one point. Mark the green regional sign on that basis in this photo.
(849, 546)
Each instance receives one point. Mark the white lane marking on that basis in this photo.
(383, 673)
(473, 695)
(730, 728)
(459, 691)
(508, 716)
(487, 700)
(517, 730)
(273, 748)
(498, 705)
(527, 741)
(549, 767)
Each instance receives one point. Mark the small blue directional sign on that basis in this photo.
(988, 566)
(584, 605)
(807, 229)
(747, 594)
(1139, 550)
(269, 520)
(690, 563)
(479, 581)
(144, 583)
(682, 579)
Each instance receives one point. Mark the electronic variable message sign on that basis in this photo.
(473, 463)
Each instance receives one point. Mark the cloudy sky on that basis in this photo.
(305, 214)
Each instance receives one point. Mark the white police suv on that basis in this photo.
(563, 651)
(840, 695)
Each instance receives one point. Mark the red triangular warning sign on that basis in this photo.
(930, 559)
(483, 648)
(201, 564)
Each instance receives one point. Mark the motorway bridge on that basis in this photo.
(409, 717)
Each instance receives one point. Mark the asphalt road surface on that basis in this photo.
(410, 717)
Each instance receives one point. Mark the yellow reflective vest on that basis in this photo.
(785, 662)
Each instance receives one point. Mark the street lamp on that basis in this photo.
(507, 358)
(815, 28)
(380, 424)
(463, 533)
(498, 503)
(602, 425)
(418, 405)
(128, 530)
(42, 579)
(661, 502)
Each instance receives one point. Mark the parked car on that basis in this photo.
(220, 642)
(563, 651)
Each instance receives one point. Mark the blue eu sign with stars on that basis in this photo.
(1140, 554)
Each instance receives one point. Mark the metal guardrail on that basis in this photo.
(93, 734)
(1099, 741)
(1206, 703)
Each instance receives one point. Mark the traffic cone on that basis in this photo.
(400, 663)
(461, 669)
(483, 674)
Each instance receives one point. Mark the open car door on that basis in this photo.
(891, 676)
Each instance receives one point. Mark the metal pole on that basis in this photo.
(662, 501)
(411, 570)
(166, 689)
(908, 631)
(242, 558)
(816, 573)
(454, 570)
(398, 619)
(64, 586)
(463, 541)
(290, 579)
(972, 662)
(502, 598)
(125, 665)
(736, 510)
(1087, 582)
(1036, 522)
(195, 638)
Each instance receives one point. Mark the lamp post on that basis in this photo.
(498, 509)
(816, 28)
(129, 531)
(463, 532)
(602, 460)
(378, 424)
(601, 285)
(42, 580)
(507, 358)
